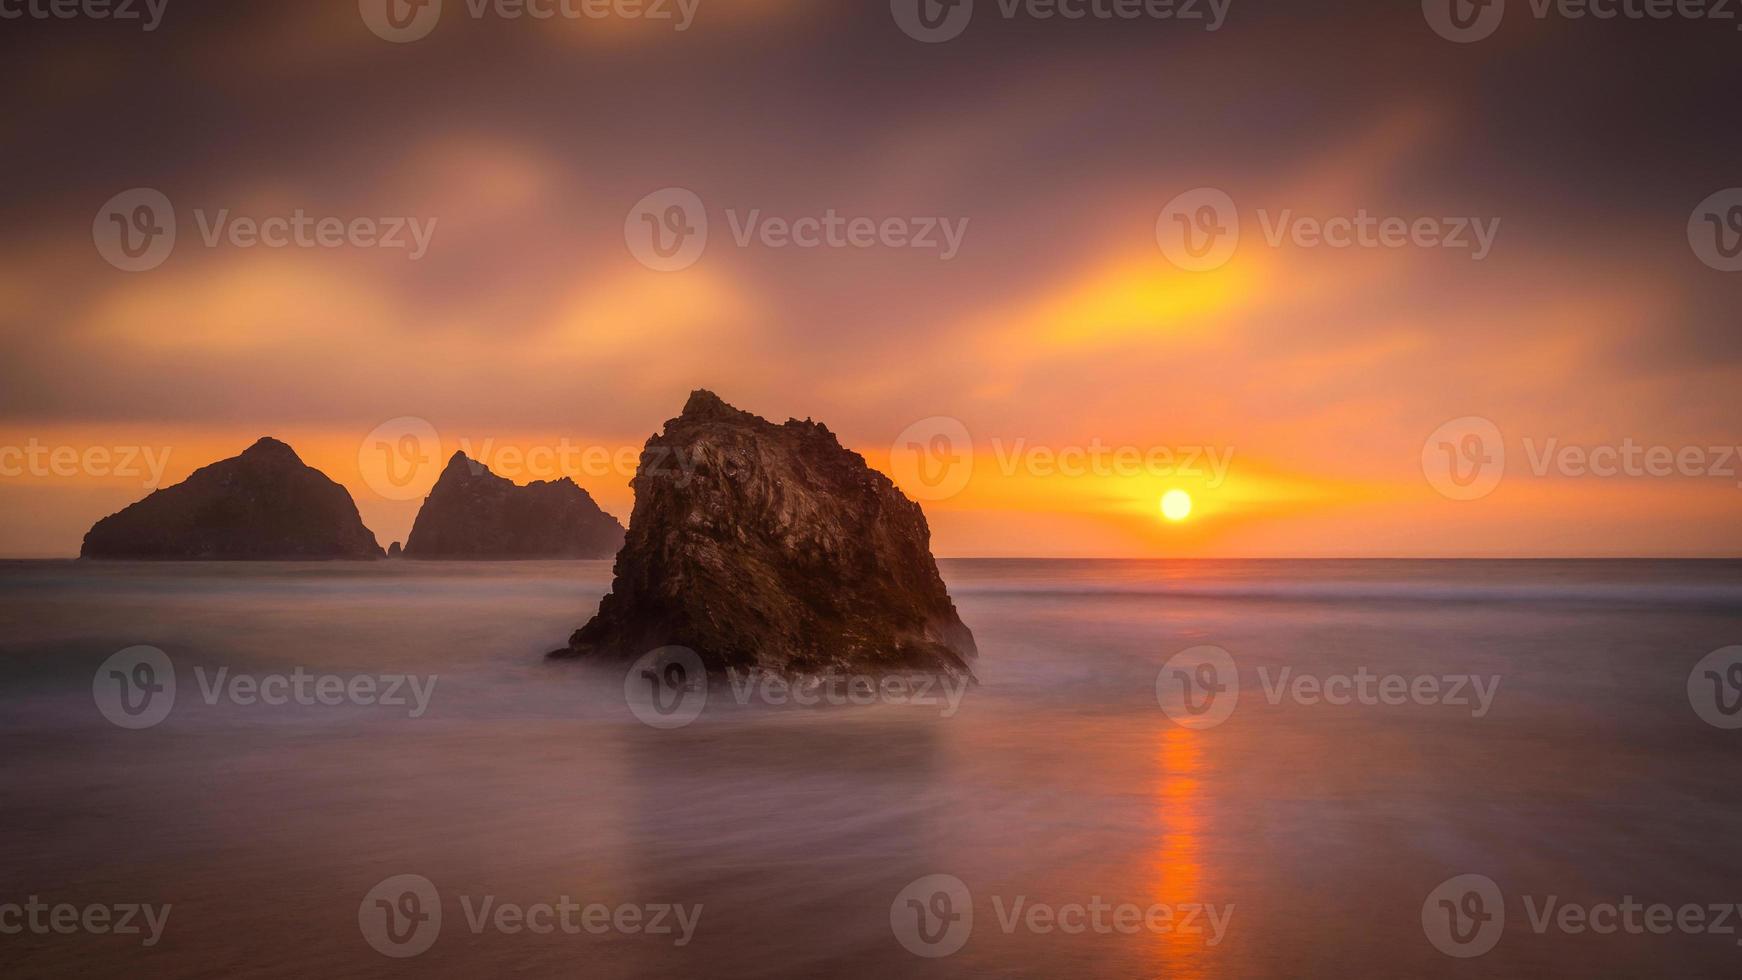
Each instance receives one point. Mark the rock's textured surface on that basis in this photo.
(773, 547)
(264, 505)
(472, 513)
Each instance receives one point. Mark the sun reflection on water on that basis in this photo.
(1177, 871)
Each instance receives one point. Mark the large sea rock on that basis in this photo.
(472, 513)
(264, 505)
(772, 547)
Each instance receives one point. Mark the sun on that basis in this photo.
(1176, 505)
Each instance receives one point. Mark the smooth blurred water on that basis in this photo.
(1060, 779)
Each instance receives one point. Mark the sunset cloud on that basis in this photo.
(1060, 324)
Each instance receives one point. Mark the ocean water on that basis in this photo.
(1553, 744)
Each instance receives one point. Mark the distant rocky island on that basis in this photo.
(773, 547)
(264, 505)
(268, 505)
(472, 513)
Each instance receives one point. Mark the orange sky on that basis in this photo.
(1317, 373)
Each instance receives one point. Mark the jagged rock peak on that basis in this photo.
(704, 405)
(471, 513)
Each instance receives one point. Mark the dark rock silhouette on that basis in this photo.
(264, 505)
(471, 513)
(773, 547)
(393, 550)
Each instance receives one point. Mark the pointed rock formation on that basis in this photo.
(771, 546)
(264, 505)
(394, 551)
(472, 513)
